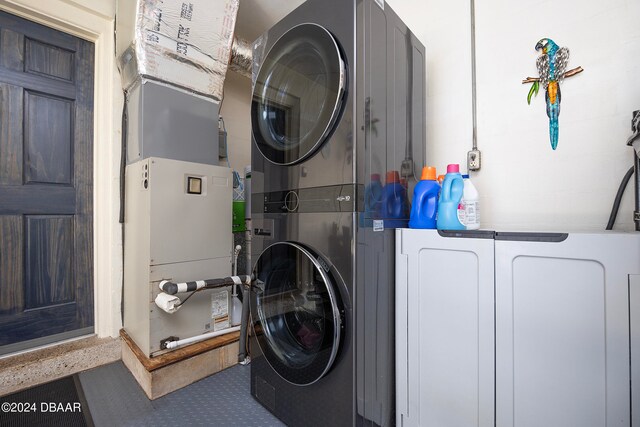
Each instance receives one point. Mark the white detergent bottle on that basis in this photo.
(471, 203)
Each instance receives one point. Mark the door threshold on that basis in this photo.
(36, 347)
(47, 363)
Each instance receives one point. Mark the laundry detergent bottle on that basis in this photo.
(394, 202)
(425, 200)
(471, 203)
(450, 198)
(372, 200)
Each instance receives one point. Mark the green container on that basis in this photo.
(238, 223)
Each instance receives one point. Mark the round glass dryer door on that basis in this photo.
(298, 94)
(295, 313)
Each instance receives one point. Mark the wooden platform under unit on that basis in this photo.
(171, 371)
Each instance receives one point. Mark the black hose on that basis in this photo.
(244, 326)
(618, 199)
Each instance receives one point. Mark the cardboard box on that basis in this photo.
(183, 42)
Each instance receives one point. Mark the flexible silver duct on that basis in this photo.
(241, 57)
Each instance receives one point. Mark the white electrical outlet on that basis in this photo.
(473, 160)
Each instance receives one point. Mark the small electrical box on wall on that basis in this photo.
(473, 160)
(177, 228)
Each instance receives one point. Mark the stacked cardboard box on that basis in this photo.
(186, 43)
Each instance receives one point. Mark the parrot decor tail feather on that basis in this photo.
(552, 97)
(552, 64)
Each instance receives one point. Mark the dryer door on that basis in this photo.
(296, 312)
(298, 94)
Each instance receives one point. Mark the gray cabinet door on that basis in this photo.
(562, 330)
(634, 324)
(444, 329)
(46, 170)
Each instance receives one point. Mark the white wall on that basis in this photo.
(524, 184)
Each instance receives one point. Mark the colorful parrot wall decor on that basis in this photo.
(552, 69)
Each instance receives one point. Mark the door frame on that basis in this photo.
(94, 21)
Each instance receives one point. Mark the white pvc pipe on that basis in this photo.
(236, 251)
(174, 344)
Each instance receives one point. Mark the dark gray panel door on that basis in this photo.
(46, 174)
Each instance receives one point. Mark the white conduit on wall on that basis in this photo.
(173, 344)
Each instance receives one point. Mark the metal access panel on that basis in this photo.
(172, 123)
(178, 228)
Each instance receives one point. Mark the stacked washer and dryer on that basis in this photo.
(338, 101)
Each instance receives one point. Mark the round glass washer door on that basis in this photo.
(298, 94)
(295, 312)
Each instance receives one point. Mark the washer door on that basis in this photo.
(298, 94)
(295, 311)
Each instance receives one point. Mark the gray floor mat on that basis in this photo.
(222, 399)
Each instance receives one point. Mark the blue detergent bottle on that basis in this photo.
(450, 197)
(394, 202)
(425, 200)
(372, 200)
